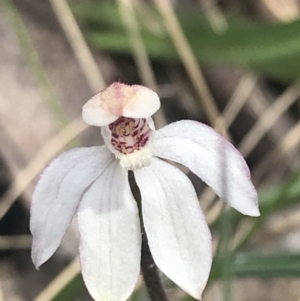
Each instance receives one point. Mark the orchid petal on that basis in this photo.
(178, 235)
(211, 157)
(96, 112)
(141, 102)
(120, 100)
(57, 195)
(110, 237)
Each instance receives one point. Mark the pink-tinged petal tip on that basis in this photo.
(120, 100)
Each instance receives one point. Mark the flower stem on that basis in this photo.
(148, 266)
(150, 273)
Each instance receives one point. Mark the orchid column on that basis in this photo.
(94, 182)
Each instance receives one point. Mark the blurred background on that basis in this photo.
(231, 64)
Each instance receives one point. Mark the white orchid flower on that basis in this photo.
(94, 182)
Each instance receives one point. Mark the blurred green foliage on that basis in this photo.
(72, 290)
(260, 265)
(272, 49)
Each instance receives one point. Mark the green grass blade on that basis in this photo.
(273, 49)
